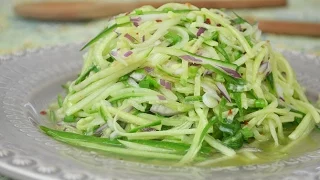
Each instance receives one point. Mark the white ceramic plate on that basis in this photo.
(31, 80)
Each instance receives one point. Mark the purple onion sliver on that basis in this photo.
(162, 82)
(161, 97)
(129, 37)
(168, 85)
(136, 24)
(148, 69)
(223, 91)
(231, 72)
(127, 54)
(190, 58)
(200, 31)
(132, 19)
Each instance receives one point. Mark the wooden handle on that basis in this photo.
(289, 28)
(63, 11)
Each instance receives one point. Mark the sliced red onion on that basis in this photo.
(127, 54)
(136, 24)
(190, 59)
(161, 97)
(162, 82)
(129, 37)
(223, 91)
(135, 19)
(168, 86)
(200, 31)
(231, 72)
(148, 69)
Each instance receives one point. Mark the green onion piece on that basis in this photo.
(173, 37)
(247, 133)
(192, 71)
(139, 11)
(237, 55)
(193, 98)
(206, 128)
(52, 115)
(149, 83)
(65, 87)
(260, 103)
(219, 78)
(237, 98)
(215, 35)
(124, 78)
(249, 40)
(154, 123)
(70, 118)
(84, 75)
(221, 50)
(222, 106)
(60, 101)
(167, 9)
(234, 142)
(270, 81)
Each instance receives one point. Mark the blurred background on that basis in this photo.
(17, 34)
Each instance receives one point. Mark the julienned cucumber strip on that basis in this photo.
(154, 123)
(193, 58)
(107, 144)
(68, 136)
(103, 33)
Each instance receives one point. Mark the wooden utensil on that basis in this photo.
(290, 28)
(67, 11)
(70, 11)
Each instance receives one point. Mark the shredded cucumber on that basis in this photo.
(156, 79)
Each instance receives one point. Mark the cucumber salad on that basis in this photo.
(181, 84)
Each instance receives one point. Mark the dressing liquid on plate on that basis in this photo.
(263, 152)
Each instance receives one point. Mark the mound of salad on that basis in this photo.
(181, 83)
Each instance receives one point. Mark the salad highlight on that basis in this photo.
(182, 84)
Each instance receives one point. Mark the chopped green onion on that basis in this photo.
(193, 98)
(149, 83)
(138, 11)
(60, 101)
(70, 118)
(247, 133)
(260, 103)
(234, 142)
(52, 115)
